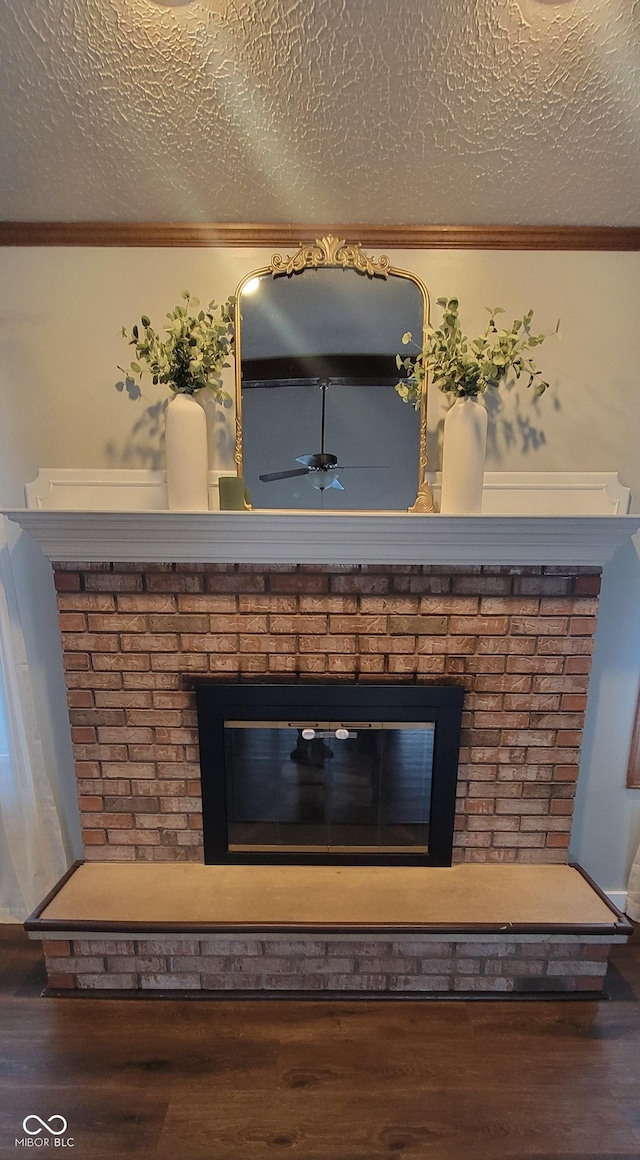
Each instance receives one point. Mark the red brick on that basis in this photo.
(482, 585)
(518, 840)
(172, 700)
(128, 769)
(335, 644)
(381, 644)
(154, 680)
(94, 837)
(501, 720)
(338, 663)
(312, 664)
(224, 663)
(237, 622)
(146, 603)
(90, 803)
(89, 680)
(375, 663)
(478, 625)
(53, 948)
(75, 661)
(506, 645)
(446, 605)
(113, 582)
(460, 645)
(149, 642)
(479, 806)
(544, 737)
(264, 643)
(90, 642)
(541, 585)
(577, 665)
(568, 606)
(67, 581)
(558, 684)
(587, 585)
(503, 683)
(61, 982)
(565, 772)
(566, 645)
(285, 605)
(562, 806)
(365, 583)
(297, 582)
(509, 605)
(86, 602)
(109, 662)
(546, 824)
(208, 642)
(485, 664)
(80, 699)
(573, 701)
(180, 662)
(279, 623)
(403, 664)
(72, 621)
(323, 604)
(174, 582)
(282, 664)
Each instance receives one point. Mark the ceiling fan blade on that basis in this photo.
(336, 483)
(305, 459)
(273, 475)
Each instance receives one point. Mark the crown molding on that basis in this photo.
(227, 234)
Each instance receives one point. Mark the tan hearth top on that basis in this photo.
(324, 897)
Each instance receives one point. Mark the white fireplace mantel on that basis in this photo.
(267, 537)
(570, 518)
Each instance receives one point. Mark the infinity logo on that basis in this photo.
(44, 1124)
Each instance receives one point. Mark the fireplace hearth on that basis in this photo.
(329, 774)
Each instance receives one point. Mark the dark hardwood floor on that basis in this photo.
(238, 1080)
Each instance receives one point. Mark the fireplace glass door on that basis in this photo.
(339, 774)
(328, 787)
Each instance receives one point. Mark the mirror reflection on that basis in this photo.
(320, 423)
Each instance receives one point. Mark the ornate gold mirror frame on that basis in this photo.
(331, 251)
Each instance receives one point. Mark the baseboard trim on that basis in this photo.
(618, 898)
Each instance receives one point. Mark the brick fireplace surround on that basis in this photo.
(135, 639)
(135, 636)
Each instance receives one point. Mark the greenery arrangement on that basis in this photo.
(464, 368)
(192, 351)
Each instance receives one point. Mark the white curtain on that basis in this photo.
(633, 890)
(32, 854)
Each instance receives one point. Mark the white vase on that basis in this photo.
(463, 456)
(187, 455)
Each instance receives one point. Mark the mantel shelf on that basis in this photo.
(268, 537)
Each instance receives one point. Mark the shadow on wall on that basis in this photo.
(144, 447)
(221, 431)
(515, 432)
(511, 429)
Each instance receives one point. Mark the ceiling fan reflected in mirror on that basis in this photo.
(322, 467)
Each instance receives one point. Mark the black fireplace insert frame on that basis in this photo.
(440, 704)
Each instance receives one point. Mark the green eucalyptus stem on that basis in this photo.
(192, 351)
(464, 368)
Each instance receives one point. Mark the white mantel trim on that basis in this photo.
(267, 537)
(517, 493)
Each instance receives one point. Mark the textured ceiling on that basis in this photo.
(425, 111)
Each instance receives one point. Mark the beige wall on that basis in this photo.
(61, 312)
